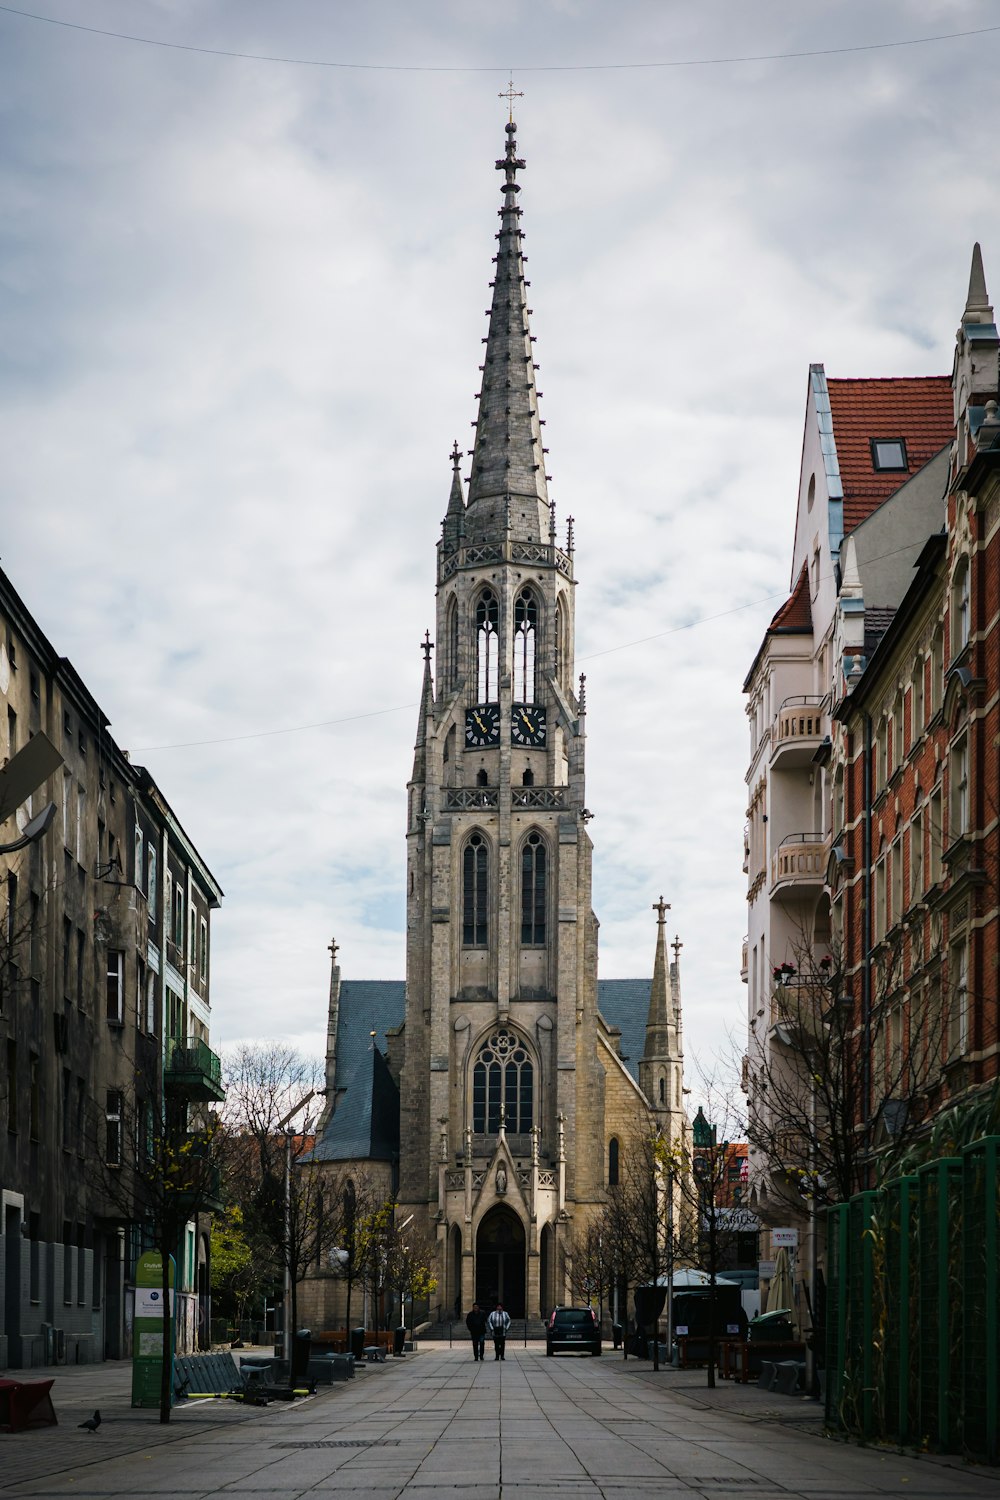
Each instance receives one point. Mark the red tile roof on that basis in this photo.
(795, 615)
(917, 409)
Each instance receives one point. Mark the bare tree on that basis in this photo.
(835, 1092)
(282, 1193)
(640, 1232)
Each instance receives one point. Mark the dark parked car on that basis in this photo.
(573, 1328)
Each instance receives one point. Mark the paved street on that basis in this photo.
(440, 1423)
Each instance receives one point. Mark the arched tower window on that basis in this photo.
(525, 640)
(663, 1091)
(561, 662)
(533, 882)
(613, 1162)
(503, 1074)
(487, 648)
(475, 896)
(451, 645)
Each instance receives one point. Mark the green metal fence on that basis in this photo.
(913, 1308)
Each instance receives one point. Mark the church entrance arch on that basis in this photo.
(500, 1261)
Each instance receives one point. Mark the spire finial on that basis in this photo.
(333, 949)
(977, 305)
(570, 542)
(426, 646)
(582, 695)
(510, 93)
(456, 457)
(677, 945)
(661, 907)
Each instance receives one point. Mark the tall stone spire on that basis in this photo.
(507, 490)
(977, 304)
(424, 713)
(656, 1053)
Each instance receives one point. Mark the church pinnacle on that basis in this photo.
(507, 489)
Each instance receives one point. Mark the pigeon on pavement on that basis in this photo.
(92, 1423)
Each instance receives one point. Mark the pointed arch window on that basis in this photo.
(475, 892)
(561, 655)
(533, 889)
(487, 648)
(451, 645)
(503, 1075)
(525, 641)
(613, 1162)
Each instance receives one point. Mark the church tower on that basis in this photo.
(501, 1091)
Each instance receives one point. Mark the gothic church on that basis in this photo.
(496, 1088)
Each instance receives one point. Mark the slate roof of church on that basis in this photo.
(365, 1125)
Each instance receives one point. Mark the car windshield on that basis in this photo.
(574, 1315)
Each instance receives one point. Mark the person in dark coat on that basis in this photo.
(476, 1324)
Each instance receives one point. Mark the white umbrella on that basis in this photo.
(780, 1292)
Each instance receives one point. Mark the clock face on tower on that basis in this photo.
(482, 725)
(527, 724)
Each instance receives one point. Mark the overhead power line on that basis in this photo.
(376, 713)
(606, 67)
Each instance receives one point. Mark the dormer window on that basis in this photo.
(889, 455)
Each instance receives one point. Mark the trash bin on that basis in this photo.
(616, 1334)
(398, 1340)
(358, 1343)
(301, 1342)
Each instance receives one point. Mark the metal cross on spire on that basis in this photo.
(677, 945)
(510, 93)
(426, 645)
(661, 907)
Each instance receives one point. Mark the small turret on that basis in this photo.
(453, 527)
(654, 1065)
(424, 714)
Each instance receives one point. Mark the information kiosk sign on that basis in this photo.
(147, 1330)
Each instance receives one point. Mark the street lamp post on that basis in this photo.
(287, 1302)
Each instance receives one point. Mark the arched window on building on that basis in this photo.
(613, 1162)
(487, 648)
(533, 891)
(561, 654)
(663, 1091)
(475, 892)
(451, 646)
(503, 1074)
(525, 640)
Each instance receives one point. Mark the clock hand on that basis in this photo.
(524, 716)
(479, 721)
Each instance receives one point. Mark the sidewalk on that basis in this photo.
(107, 1387)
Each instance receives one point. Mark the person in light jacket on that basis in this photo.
(498, 1324)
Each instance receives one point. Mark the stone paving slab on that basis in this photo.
(445, 1425)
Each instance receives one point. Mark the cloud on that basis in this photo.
(243, 306)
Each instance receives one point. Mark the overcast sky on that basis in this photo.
(241, 305)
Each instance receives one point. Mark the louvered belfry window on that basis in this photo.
(487, 648)
(525, 637)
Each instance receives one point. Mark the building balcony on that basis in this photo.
(799, 729)
(193, 1070)
(798, 865)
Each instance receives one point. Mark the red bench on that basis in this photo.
(26, 1403)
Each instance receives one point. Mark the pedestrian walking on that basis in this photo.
(498, 1324)
(476, 1324)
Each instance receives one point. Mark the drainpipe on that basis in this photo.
(866, 935)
